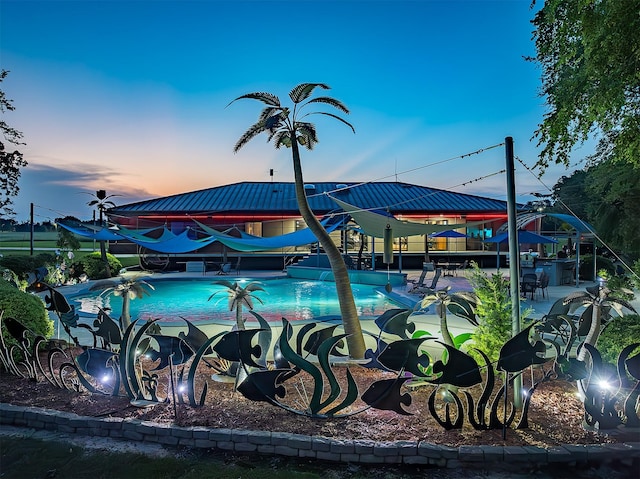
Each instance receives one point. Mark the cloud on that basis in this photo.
(65, 191)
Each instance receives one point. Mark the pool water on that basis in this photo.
(290, 298)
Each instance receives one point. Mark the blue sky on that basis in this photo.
(131, 96)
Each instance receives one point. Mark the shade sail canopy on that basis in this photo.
(168, 242)
(524, 219)
(258, 243)
(375, 223)
(524, 237)
(96, 233)
(172, 243)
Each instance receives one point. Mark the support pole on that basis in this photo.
(31, 231)
(514, 259)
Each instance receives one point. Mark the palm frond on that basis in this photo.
(254, 286)
(330, 101)
(281, 138)
(268, 98)
(333, 116)
(273, 122)
(308, 130)
(267, 113)
(304, 90)
(253, 131)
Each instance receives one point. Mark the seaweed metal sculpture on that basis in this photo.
(312, 351)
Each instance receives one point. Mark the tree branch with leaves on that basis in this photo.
(10, 161)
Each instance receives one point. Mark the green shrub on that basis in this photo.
(493, 310)
(24, 264)
(617, 335)
(93, 266)
(586, 267)
(27, 308)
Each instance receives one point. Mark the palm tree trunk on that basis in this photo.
(350, 320)
(239, 318)
(444, 330)
(594, 331)
(125, 318)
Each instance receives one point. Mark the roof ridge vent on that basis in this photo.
(309, 186)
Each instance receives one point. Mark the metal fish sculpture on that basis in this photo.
(385, 394)
(318, 337)
(236, 346)
(57, 303)
(95, 362)
(17, 330)
(461, 370)
(372, 356)
(404, 354)
(394, 321)
(177, 348)
(262, 385)
(195, 338)
(518, 353)
(107, 328)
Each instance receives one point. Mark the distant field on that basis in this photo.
(19, 243)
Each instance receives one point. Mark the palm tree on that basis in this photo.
(286, 127)
(239, 296)
(102, 202)
(461, 304)
(129, 286)
(601, 299)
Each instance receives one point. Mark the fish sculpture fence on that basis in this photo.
(271, 368)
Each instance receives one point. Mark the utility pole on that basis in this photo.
(31, 231)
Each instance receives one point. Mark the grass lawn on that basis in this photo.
(35, 458)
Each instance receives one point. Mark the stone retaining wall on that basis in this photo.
(321, 448)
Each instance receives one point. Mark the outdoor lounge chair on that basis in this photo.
(423, 290)
(225, 268)
(419, 283)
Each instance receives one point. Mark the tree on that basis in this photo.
(286, 127)
(606, 196)
(589, 51)
(239, 296)
(10, 161)
(102, 202)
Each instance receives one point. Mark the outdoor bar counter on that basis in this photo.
(560, 271)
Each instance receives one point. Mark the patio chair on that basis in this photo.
(462, 267)
(554, 323)
(423, 290)
(225, 268)
(543, 284)
(529, 285)
(419, 283)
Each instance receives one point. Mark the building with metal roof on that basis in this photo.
(269, 209)
(257, 199)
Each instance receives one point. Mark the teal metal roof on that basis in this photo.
(280, 198)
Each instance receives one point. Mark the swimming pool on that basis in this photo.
(293, 299)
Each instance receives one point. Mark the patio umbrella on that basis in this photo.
(448, 234)
(524, 237)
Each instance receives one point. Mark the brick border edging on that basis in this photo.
(316, 447)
